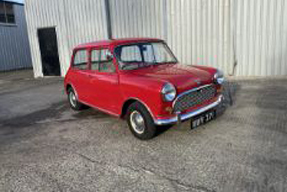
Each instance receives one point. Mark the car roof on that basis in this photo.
(116, 42)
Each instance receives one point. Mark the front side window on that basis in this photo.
(131, 53)
(81, 60)
(102, 61)
(7, 13)
(139, 55)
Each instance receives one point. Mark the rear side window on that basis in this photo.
(95, 59)
(81, 60)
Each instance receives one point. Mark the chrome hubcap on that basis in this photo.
(137, 122)
(72, 98)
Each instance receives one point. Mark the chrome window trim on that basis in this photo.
(189, 91)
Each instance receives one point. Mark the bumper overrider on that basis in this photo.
(182, 117)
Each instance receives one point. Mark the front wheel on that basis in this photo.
(140, 121)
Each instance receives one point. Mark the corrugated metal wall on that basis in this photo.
(199, 32)
(260, 37)
(138, 18)
(217, 33)
(212, 32)
(14, 44)
(76, 22)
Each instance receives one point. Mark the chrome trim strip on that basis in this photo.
(186, 116)
(189, 91)
(100, 109)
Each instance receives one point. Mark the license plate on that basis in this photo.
(202, 119)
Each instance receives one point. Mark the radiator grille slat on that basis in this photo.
(194, 98)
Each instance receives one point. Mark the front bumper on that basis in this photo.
(182, 117)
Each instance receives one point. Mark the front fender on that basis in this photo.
(144, 90)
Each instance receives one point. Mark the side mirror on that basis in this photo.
(109, 56)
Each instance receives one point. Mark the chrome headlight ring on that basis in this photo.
(219, 77)
(168, 92)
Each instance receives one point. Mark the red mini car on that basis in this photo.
(141, 81)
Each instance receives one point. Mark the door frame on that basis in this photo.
(58, 50)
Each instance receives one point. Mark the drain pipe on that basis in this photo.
(233, 20)
(108, 17)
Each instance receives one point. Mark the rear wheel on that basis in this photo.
(74, 103)
(140, 121)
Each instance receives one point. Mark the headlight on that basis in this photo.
(168, 92)
(219, 77)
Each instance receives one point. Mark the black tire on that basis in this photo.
(149, 130)
(77, 106)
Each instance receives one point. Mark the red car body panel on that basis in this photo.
(110, 91)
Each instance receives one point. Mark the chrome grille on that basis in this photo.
(194, 97)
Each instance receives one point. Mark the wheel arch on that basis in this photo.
(68, 86)
(131, 100)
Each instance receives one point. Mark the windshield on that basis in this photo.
(134, 56)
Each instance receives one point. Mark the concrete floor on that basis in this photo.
(45, 146)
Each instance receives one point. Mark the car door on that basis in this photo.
(80, 74)
(104, 81)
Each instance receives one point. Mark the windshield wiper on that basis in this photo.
(164, 62)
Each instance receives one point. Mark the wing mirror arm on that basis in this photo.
(109, 56)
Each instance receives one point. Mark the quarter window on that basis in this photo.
(81, 60)
(7, 13)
